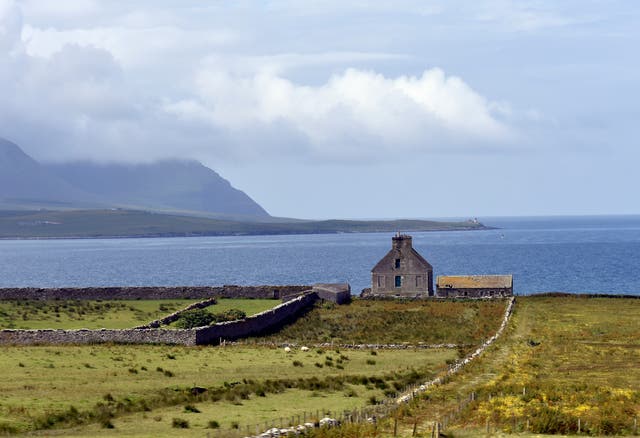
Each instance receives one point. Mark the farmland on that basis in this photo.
(566, 364)
(115, 314)
(103, 389)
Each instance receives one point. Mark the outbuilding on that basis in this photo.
(474, 286)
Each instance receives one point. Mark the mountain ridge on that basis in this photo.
(172, 185)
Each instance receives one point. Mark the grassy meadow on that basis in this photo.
(113, 314)
(562, 361)
(396, 321)
(142, 390)
(48, 387)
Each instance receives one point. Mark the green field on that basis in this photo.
(563, 359)
(49, 387)
(394, 321)
(137, 390)
(114, 314)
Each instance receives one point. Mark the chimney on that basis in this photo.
(401, 241)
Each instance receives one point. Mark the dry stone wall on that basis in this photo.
(150, 292)
(85, 336)
(268, 320)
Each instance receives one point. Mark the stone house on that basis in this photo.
(475, 286)
(402, 272)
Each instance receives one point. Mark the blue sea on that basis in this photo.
(571, 254)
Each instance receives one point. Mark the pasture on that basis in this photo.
(59, 386)
(113, 314)
(565, 365)
(396, 321)
(145, 389)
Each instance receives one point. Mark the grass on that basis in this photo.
(75, 314)
(395, 321)
(115, 314)
(45, 387)
(563, 359)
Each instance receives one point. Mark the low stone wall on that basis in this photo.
(85, 336)
(150, 293)
(268, 320)
(265, 321)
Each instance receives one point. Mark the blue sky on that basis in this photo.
(341, 109)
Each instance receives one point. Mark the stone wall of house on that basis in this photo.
(150, 293)
(85, 336)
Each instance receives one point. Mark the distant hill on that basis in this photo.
(173, 186)
(127, 223)
(25, 182)
(165, 185)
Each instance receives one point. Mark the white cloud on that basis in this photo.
(10, 25)
(355, 114)
(131, 46)
(78, 93)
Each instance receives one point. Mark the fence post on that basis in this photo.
(635, 426)
(395, 426)
(578, 425)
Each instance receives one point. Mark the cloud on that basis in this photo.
(131, 46)
(10, 26)
(355, 114)
(78, 93)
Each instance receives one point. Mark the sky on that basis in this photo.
(341, 109)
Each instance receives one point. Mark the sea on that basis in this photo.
(590, 254)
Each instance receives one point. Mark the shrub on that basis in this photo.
(195, 318)
(235, 425)
(191, 408)
(180, 423)
(229, 315)
(297, 363)
(168, 373)
(213, 424)
(371, 362)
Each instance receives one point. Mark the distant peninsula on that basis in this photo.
(114, 223)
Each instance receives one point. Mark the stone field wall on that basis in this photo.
(85, 336)
(268, 320)
(150, 293)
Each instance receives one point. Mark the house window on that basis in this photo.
(397, 263)
(380, 281)
(398, 281)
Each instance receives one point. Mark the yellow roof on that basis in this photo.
(474, 281)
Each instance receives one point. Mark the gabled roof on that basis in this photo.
(387, 261)
(474, 281)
